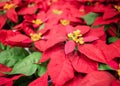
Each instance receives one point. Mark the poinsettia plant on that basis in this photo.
(59, 43)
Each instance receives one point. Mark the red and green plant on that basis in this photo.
(59, 43)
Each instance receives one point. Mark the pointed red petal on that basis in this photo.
(19, 40)
(10, 83)
(47, 54)
(12, 15)
(108, 49)
(92, 52)
(110, 13)
(75, 81)
(40, 45)
(116, 83)
(69, 29)
(2, 4)
(69, 46)
(57, 35)
(41, 81)
(16, 2)
(4, 68)
(82, 64)
(113, 64)
(97, 32)
(28, 10)
(83, 29)
(97, 78)
(101, 21)
(3, 20)
(3, 80)
(65, 74)
(90, 38)
(59, 66)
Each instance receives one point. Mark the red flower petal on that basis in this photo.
(40, 45)
(82, 64)
(19, 40)
(12, 15)
(59, 66)
(101, 21)
(83, 29)
(92, 52)
(96, 32)
(2, 4)
(41, 81)
(69, 46)
(65, 74)
(28, 10)
(90, 38)
(75, 81)
(110, 13)
(8, 81)
(57, 35)
(97, 78)
(3, 80)
(3, 20)
(114, 64)
(17, 1)
(52, 51)
(116, 83)
(4, 68)
(108, 49)
(69, 29)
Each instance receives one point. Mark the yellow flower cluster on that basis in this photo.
(117, 7)
(35, 36)
(9, 6)
(37, 21)
(76, 36)
(64, 22)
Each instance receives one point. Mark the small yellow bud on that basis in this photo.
(118, 72)
(64, 22)
(37, 22)
(70, 35)
(55, 11)
(81, 40)
(9, 6)
(36, 36)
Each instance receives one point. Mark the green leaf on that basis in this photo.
(28, 65)
(90, 18)
(104, 67)
(3, 47)
(24, 80)
(11, 56)
(42, 68)
(106, 27)
(112, 39)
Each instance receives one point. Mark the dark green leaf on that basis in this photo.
(42, 68)
(24, 81)
(104, 67)
(3, 47)
(28, 65)
(90, 18)
(112, 39)
(106, 27)
(11, 56)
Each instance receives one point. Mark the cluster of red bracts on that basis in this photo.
(57, 28)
